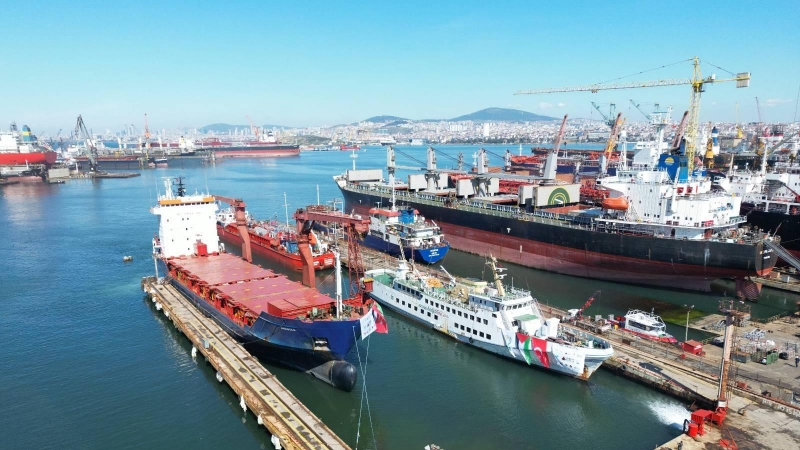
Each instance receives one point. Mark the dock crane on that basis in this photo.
(639, 107)
(255, 129)
(697, 82)
(146, 133)
(240, 217)
(354, 227)
(82, 132)
(612, 108)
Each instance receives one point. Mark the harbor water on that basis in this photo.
(87, 363)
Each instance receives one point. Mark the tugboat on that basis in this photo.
(645, 325)
(500, 319)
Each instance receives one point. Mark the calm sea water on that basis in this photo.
(87, 363)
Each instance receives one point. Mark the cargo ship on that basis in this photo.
(267, 147)
(394, 230)
(274, 241)
(675, 234)
(503, 320)
(23, 149)
(274, 318)
(345, 148)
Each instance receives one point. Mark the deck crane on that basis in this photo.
(697, 82)
(612, 108)
(255, 129)
(82, 132)
(611, 143)
(578, 313)
(354, 227)
(240, 217)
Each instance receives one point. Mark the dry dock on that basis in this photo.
(259, 391)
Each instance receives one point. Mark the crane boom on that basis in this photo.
(82, 132)
(697, 82)
(637, 106)
(676, 141)
(256, 130)
(560, 135)
(238, 206)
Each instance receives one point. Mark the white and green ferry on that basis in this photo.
(493, 317)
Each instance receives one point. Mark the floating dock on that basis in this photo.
(288, 420)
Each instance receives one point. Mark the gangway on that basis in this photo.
(783, 253)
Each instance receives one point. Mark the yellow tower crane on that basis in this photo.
(697, 82)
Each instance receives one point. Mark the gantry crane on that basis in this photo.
(353, 226)
(240, 217)
(697, 82)
(82, 132)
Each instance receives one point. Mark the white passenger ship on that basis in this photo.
(499, 319)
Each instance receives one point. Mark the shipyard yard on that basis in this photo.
(400, 226)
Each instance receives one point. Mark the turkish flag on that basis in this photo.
(380, 321)
(540, 348)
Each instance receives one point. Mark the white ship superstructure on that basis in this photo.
(184, 221)
(496, 318)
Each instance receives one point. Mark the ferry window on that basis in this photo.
(485, 322)
(455, 325)
(475, 332)
(397, 300)
(426, 301)
(462, 327)
(459, 314)
(404, 303)
(481, 333)
(447, 308)
(494, 315)
(469, 330)
(489, 336)
(415, 308)
(429, 313)
(435, 317)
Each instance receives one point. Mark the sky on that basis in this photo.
(316, 63)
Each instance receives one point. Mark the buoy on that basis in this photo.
(260, 420)
(127, 258)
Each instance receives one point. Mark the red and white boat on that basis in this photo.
(274, 241)
(644, 324)
(263, 147)
(345, 148)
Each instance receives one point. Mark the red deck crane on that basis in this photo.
(353, 226)
(239, 215)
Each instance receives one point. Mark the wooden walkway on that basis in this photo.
(275, 407)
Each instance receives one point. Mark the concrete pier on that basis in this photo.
(259, 391)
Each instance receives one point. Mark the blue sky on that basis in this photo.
(298, 63)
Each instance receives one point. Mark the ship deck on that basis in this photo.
(251, 286)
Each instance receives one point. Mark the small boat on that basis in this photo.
(644, 324)
(161, 162)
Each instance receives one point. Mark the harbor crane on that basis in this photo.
(639, 107)
(354, 227)
(146, 133)
(240, 217)
(255, 129)
(612, 108)
(82, 132)
(697, 82)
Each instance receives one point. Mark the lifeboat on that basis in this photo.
(617, 203)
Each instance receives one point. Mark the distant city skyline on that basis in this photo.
(304, 64)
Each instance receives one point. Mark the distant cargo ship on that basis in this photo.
(345, 148)
(266, 148)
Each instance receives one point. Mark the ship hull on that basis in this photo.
(282, 257)
(255, 151)
(678, 264)
(430, 255)
(288, 342)
(21, 159)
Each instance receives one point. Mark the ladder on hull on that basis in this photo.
(783, 253)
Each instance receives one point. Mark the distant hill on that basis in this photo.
(225, 127)
(502, 115)
(382, 119)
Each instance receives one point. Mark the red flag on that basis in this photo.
(380, 321)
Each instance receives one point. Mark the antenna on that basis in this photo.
(286, 209)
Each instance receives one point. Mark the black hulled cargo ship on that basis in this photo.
(545, 228)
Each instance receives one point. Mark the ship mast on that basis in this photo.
(390, 167)
(498, 277)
